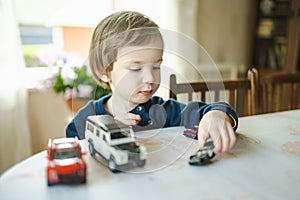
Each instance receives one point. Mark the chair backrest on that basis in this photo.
(279, 92)
(241, 94)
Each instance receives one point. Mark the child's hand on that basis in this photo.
(217, 126)
(128, 119)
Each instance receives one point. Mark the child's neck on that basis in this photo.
(116, 106)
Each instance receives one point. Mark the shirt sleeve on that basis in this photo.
(189, 115)
(76, 128)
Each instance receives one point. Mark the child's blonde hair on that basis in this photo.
(120, 29)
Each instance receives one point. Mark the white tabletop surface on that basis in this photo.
(264, 164)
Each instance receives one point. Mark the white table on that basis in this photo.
(264, 164)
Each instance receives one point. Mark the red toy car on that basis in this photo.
(65, 161)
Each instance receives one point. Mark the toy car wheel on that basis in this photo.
(83, 180)
(141, 163)
(112, 165)
(50, 183)
(199, 161)
(92, 149)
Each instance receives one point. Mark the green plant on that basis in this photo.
(70, 77)
(76, 82)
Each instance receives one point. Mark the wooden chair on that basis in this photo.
(279, 92)
(241, 94)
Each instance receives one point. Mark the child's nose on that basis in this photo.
(148, 76)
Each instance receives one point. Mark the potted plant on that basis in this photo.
(72, 80)
(77, 86)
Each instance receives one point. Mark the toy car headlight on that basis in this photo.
(52, 164)
(81, 172)
(143, 151)
(123, 157)
(53, 174)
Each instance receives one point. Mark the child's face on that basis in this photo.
(136, 73)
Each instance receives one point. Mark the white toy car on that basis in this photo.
(114, 142)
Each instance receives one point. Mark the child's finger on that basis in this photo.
(225, 140)
(217, 138)
(203, 135)
(128, 122)
(129, 119)
(228, 137)
(131, 116)
(232, 136)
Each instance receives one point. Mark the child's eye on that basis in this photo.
(157, 67)
(135, 69)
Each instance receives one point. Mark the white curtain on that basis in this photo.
(14, 129)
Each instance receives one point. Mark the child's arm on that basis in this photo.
(217, 121)
(217, 125)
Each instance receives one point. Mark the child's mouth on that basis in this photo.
(146, 92)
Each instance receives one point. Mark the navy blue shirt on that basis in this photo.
(155, 113)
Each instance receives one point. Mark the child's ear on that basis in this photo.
(105, 78)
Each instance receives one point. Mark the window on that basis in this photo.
(90, 127)
(33, 39)
(117, 135)
(68, 31)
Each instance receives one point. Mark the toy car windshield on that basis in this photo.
(64, 154)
